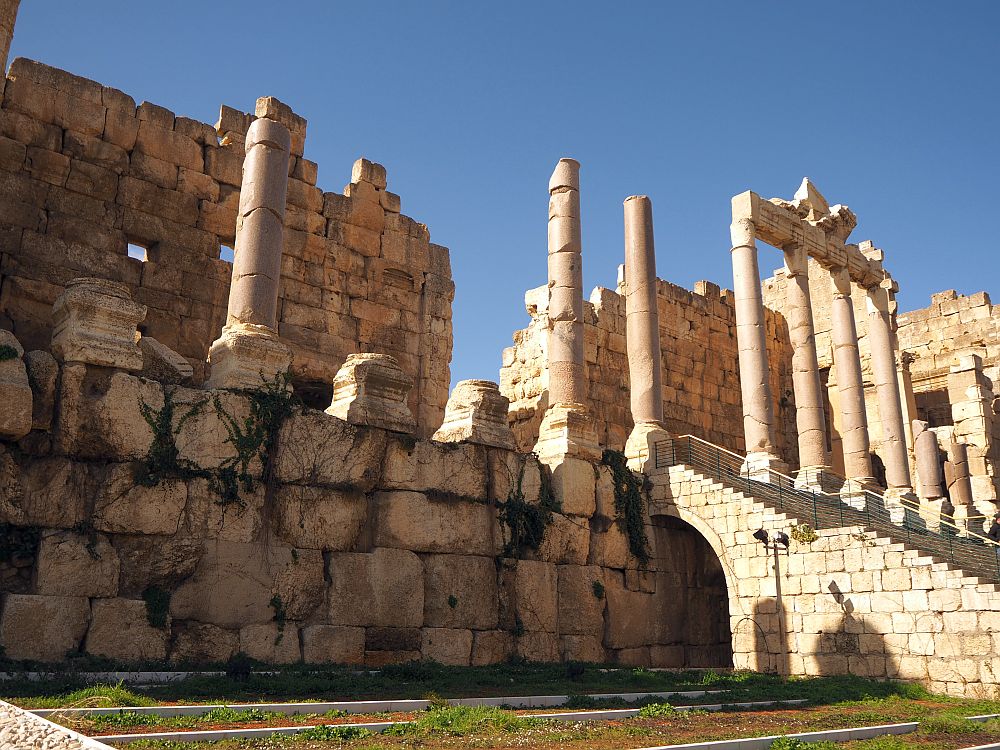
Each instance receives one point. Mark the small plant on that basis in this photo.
(7, 352)
(657, 711)
(239, 667)
(803, 534)
(598, 588)
(330, 732)
(157, 606)
(280, 616)
(452, 601)
(435, 701)
(630, 506)
(864, 539)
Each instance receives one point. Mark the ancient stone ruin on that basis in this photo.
(200, 458)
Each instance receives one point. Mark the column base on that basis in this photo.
(931, 510)
(894, 497)
(810, 477)
(567, 430)
(760, 465)
(246, 356)
(640, 448)
(854, 491)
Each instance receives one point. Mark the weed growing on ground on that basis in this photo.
(459, 721)
(657, 711)
(327, 732)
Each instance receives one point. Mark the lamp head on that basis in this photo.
(781, 538)
(761, 536)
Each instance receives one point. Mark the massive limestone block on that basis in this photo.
(43, 375)
(162, 562)
(512, 474)
(528, 595)
(566, 541)
(476, 413)
(371, 389)
(425, 466)
(460, 591)
(271, 643)
(380, 588)
(73, 565)
(94, 322)
(100, 416)
(205, 517)
(43, 628)
(573, 484)
(491, 647)
(15, 390)
(199, 643)
(587, 648)
(163, 364)
(414, 521)
(630, 616)
(120, 630)
(235, 582)
(538, 646)
(447, 646)
(333, 644)
(581, 600)
(124, 507)
(319, 518)
(315, 448)
(202, 427)
(48, 492)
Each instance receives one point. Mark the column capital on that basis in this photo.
(743, 232)
(877, 300)
(840, 280)
(796, 260)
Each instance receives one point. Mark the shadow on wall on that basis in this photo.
(834, 639)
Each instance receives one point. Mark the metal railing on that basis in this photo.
(829, 502)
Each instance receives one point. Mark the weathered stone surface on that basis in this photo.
(573, 483)
(271, 643)
(319, 518)
(162, 562)
(333, 644)
(566, 541)
(537, 646)
(630, 616)
(72, 565)
(198, 643)
(447, 646)
(15, 390)
(371, 389)
(460, 592)
(491, 647)
(381, 588)
(581, 599)
(477, 413)
(43, 628)
(512, 472)
(163, 364)
(120, 630)
(393, 639)
(43, 375)
(235, 582)
(95, 323)
(315, 448)
(246, 356)
(529, 596)
(581, 648)
(125, 507)
(48, 493)
(414, 521)
(424, 466)
(206, 517)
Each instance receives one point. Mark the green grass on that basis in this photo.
(95, 696)
(459, 721)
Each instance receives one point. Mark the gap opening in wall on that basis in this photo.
(137, 251)
(226, 253)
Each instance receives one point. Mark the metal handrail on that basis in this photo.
(830, 509)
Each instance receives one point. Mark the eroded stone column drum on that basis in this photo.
(928, 461)
(642, 328)
(850, 386)
(755, 386)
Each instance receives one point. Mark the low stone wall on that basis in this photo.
(365, 546)
(849, 602)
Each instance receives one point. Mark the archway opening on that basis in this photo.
(693, 598)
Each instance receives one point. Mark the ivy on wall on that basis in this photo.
(525, 522)
(630, 506)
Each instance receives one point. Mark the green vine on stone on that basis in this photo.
(7, 352)
(630, 507)
(526, 522)
(157, 606)
(598, 588)
(280, 616)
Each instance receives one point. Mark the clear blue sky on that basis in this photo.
(890, 107)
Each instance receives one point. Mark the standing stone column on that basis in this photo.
(890, 407)
(956, 475)
(567, 428)
(248, 352)
(809, 417)
(755, 385)
(850, 386)
(929, 474)
(8, 16)
(642, 332)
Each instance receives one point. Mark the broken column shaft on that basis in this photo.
(809, 417)
(850, 386)
(642, 330)
(248, 351)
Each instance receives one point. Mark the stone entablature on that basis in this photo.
(85, 172)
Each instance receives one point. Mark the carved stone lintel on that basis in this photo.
(567, 430)
(95, 323)
(476, 413)
(371, 389)
(246, 356)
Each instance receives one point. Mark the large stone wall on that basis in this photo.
(84, 172)
(367, 546)
(699, 364)
(849, 602)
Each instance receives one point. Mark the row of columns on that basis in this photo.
(758, 409)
